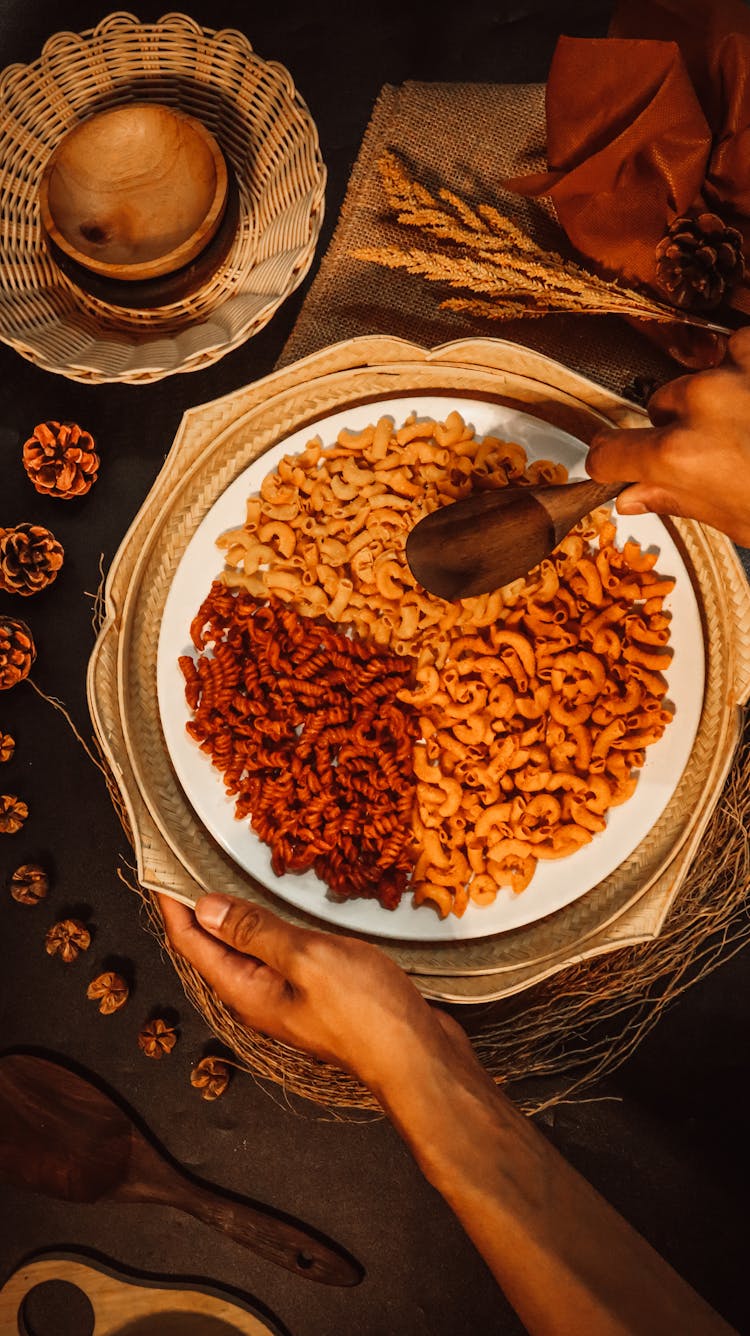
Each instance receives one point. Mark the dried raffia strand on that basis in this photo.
(211, 1077)
(157, 1037)
(488, 254)
(7, 747)
(110, 991)
(13, 813)
(29, 884)
(60, 459)
(30, 558)
(17, 652)
(67, 939)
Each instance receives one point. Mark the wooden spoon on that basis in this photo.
(491, 538)
(62, 1136)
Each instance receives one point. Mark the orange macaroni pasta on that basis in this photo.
(535, 703)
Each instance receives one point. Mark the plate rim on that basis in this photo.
(333, 917)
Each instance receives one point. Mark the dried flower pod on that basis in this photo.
(29, 884)
(30, 557)
(109, 990)
(17, 652)
(7, 747)
(66, 939)
(13, 813)
(157, 1037)
(211, 1077)
(60, 459)
(699, 261)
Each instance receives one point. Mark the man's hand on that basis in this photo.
(338, 998)
(695, 460)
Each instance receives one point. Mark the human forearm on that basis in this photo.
(569, 1264)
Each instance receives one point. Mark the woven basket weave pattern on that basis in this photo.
(192, 496)
(263, 126)
(121, 683)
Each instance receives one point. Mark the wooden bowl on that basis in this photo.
(134, 193)
(148, 294)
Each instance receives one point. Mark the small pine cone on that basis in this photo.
(17, 652)
(60, 459)
(30, 557)
(211, 1077)
(13, 813)
(699, 261)
(156, 1038)
(7, 747)
(66, 939)
(110, 991)
(29, 884)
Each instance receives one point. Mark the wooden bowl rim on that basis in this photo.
(180, 255)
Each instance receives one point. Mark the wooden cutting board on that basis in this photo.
(130, 1307)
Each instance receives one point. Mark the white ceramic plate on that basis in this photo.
(555, 884)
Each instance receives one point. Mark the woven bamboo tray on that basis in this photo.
(215, 443)
(268, 136)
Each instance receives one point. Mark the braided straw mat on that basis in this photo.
(266, 132)
(217, 441)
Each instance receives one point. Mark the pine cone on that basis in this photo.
(66, 939)
(29, 884)
(699, 261)
(157, 1038)
(17, 652)
(211, 1077)
(60, 459)
(110, 991)
(13, 813)
(7, 747)
(30, 557)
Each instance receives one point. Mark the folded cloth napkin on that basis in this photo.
(647, 125)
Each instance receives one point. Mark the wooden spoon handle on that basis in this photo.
(568, 504)
(289, 1245)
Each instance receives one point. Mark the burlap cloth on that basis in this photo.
(467, 137)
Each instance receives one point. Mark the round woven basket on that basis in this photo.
(266, 133)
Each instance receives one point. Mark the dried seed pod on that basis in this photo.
(66, 939)
(13, 813)
(157, 1037)
(29, 884)
(211, 1077)
(60, 459)
(109, 990)
(17, 652)
(7, 747)
(30, 557)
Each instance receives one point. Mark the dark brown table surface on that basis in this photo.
(665, 1139)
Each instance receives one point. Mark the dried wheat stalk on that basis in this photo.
(483, 252)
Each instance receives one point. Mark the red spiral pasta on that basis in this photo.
(305, 726)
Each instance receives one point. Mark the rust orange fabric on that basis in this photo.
(646, 123)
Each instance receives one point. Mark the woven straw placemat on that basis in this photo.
(212, 446)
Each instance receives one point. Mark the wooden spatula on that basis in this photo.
(62, 1136)
(491, 538)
